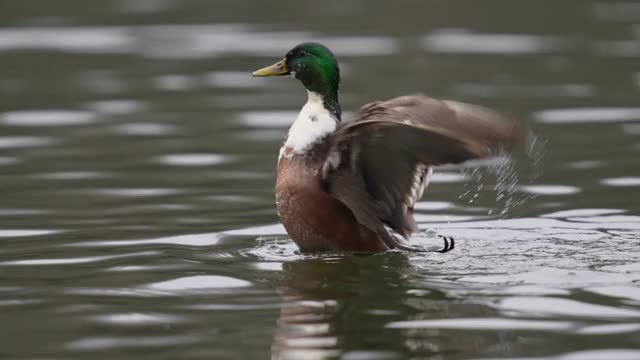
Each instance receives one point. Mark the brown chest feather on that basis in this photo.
(314, 219)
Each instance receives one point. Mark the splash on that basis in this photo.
(509, 174)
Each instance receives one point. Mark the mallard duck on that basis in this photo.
(352, 185)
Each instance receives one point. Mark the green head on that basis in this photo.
(316, 67)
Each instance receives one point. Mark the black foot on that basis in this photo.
(449, 244)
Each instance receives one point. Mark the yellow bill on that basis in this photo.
(279, 68)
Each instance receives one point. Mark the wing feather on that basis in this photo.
(390, 144)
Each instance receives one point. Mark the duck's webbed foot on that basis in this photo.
(395, 242)
(449, 244)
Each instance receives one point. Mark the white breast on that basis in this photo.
(313, 123)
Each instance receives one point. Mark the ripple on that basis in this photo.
(272, 229)
(20, 212)
(272, 249)
(268, 266)
(138, 319)
(174, 82)
(109, 292)
(206, 239)
(7, 160)
(446, 178)
(483, 324)
(48, 118)
(311, 342)
(147, 268)
(20, 302)
(525, 91)
(263, 135)
(463, 41)
(433, 205)
(588, 115)
(233, 79)
(138, 192)
(586, 164)
(622, 48)
(73, 175)
(268, 119)
(361, 45)
(206, 41)
(609, 354)
(625, 292)
(145, 129)
(541, 252)
(535, 290)
(9, 142)
(71, 39)
(106, 82)
(631, 129)
(146, 7)
(551, 276)
(570, 228)
(200, 41)
(629, 268)
(433, 218)
(609, 329)
(617, 11)
(565, 307)
(610, 219)
(192, 159)
(26, 232)
(551, 189)
(622, 181)
(583, 212)
(199, 282)
(233, 307)
(77, 260)
(116, 106)
(98, 343)
(360, 355)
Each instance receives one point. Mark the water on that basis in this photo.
(137, 164)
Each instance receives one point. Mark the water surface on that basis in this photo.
(137, 164)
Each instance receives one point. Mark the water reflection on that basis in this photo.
(323, 316)
(493, 90)
(622, 181)
(101, 343)
(7, 142)
(47, 118)
(181, 41)
(565, 307)
(116, 106)
(23, 232)
(192, 159)
(199, 283)
(551, 189)
(6, 160)
(588, 115)
(463, 41)
(145, 129)
(483, 324)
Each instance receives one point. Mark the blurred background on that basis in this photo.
(137, 164)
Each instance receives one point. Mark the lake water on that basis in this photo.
(137, 164)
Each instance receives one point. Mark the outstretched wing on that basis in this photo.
(378, 163)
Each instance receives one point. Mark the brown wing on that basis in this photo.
(474, 124)
(377, 162)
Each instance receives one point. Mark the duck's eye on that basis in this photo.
(303, 53)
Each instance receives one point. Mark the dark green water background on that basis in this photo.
(137, 164)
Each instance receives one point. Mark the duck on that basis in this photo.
(352, 184)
